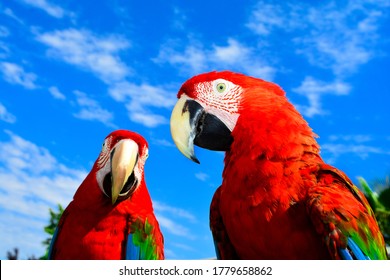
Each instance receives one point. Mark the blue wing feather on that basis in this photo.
(352, 252)
(53, 240)
(217, 252)
(133, 252)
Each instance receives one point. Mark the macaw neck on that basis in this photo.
(266, 156)
(275, 135)
(89, 192)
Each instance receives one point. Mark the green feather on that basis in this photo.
(144, 239)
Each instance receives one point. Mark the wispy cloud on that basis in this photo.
(363, 151)
(4, 32)
(359, 138)
(100, 55)
(171, 226)
(192, 58)
(49, 8)
(4, 50)
(246, 59)
(15, 74)
(31, 181)
(8, 12)
(267, 17)
(179, 19)
(361, 145)
(91, 110)
(55, 92)
(173, 219)
(314, 89)
(337, 36)
(95, 53)
(202, 176)
(173, 211)
(138, 98)
(5, 115)
(340, 36)
(163, 142)
(195, 58)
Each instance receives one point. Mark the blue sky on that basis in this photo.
(73, 71)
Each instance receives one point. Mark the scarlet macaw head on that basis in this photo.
(120, 165)
(210, 104)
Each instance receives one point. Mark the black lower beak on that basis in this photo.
(210, 132)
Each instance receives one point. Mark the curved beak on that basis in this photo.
(191, 124)
(182, 126)
(123, 160)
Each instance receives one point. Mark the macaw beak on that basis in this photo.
(123, 160)
(191, 124)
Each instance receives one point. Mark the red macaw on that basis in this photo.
(111, 215)
(278, 198)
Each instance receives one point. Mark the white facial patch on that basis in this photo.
(220, 98)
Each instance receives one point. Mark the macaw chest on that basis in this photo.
(270, 229)
(91, 237)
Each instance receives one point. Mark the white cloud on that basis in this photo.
(336, 43)
(202, 176)
(146, 118)
(88, 51)
(8, 12)
(173, 227)
(195, 58)
(138, 98)
(171, 219)
(173, 211)
(55, 92)
(91, 110)
(313, 89)
(15, 74)
(363, 151)
(336, 35)
(231, 53)
(236, 54)
(179, 19)
(51, 9)
(4, 50)
(266, 17)
(4, 32)
(28, 239)
(143, 94)
(5, 115)
(361, 145)
(100, 56)
(359, 138)
(32, 180)
(184, 247)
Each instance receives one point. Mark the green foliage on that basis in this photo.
(50, 229)
(13, 255)
(380, 204)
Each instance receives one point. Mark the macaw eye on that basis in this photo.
(221, 87)
(106, 144)
(146, 153)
